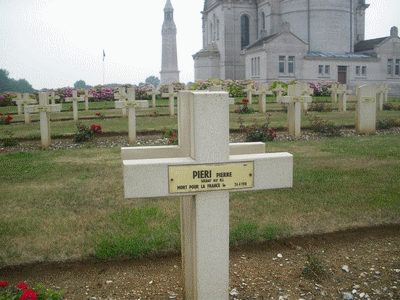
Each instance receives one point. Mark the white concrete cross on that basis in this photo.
(279, 90)
(75, 99)
(306, 91)
(203, 169)
(295, 99)
(154, 92)
(51, 96)
(86, 97)
(121, 96)
(18, 100)
(382, 93)
(171, 95)
(366, 110)
(131, 104)
(44, 109)
(27, 101)
(250, 91)
(334, 91)
(263, 90)
(343, 92)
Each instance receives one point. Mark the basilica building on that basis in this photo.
(307, 40)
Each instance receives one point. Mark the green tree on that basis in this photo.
(80, 84)
(11, 85)
(153, 80)
(4, 81)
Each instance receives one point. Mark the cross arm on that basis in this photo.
(144, 178)
(129, 153)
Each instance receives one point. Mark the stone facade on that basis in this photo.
(308, 40)
(169, 65)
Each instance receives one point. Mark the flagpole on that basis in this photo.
(104, 55)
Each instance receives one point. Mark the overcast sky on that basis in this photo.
(54, 43)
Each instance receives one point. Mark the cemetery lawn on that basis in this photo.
(69, 204)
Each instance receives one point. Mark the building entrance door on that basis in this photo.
(342, 74)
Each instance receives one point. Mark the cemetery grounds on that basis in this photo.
(67, 204)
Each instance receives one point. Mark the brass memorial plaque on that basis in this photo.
(366, 100)
(210, 177)
(131, 104)
(42, 109)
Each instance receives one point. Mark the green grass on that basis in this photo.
(70, 204)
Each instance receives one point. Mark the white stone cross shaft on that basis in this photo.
(131, 104)
(262, 92)
(53, 97)
(279, 90)
(366, 110)
(171, 95)
(122, 96)
(153, 94)
(294, 100)
(75, 99)
(26, 101)
(44, 109)
(18, 100)
(250, 92)
(86, 97)
(204, 215)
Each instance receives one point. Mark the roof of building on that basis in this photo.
(261, 41)
(368, 44)
(209, 50)
(337, 55)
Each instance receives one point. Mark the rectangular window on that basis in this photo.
(364, 71)
(390, 67)
(252, 66)
(281, 64)
(358, 70)
(327, 70)
(258, 66)
(320, 69)
(291, 65)
(397, 67)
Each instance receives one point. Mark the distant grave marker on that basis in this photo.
(121, 96)
(294, 99)
(366, 110)
(343, 92)
(44, 109)
(262, 102)
(27, 101)
(87, 96)
(75, 99)
(18, 100)
(249, 90)
(154, 92)
(171, 95)
(334, 91)
(130, 104)
(51, 96)
(279, 90)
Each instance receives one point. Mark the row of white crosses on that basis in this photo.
(24, 100)
(44, 109)
(171, 94)
(202, 170)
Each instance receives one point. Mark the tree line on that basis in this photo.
(11, 85)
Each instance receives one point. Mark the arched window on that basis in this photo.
(245, 31)
(263, 20)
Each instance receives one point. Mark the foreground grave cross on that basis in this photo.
(262, 92)
(122, 96)
(26, 101)
(203, 176)
(75, 99)
(294, 100)
(86, 97)
(366, 110)
(44, 109)
(51, 96)
(171, 95)
(18, 100)
(131, 104)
